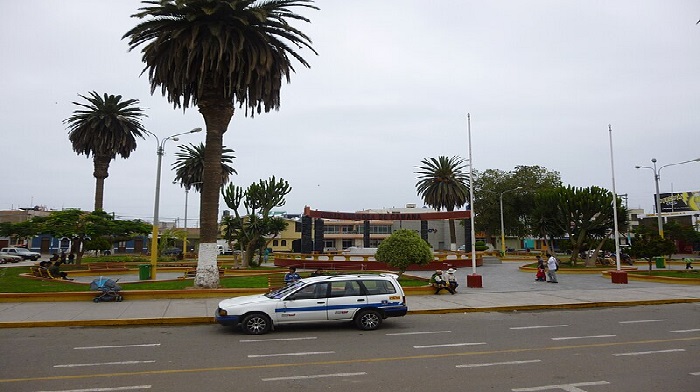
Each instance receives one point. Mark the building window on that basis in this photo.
(347, 244)
(331, 229)
(284, 242)
(275, 242)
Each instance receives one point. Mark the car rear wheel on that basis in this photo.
(368, 320)
(256, 324)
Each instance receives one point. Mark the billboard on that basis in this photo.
(680, 201)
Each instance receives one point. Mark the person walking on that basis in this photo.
(552, 267)
(541, 276)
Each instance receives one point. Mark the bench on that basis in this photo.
(190, 273)
(107, 267)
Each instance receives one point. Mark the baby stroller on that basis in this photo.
(108, 288)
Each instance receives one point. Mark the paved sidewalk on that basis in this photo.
(505, 288)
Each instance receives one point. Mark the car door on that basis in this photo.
(306, 304)
(344, 299)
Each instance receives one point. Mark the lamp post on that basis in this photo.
(657, 176)
(154, 239)
(187, 192)
(503, 236)
(473, 280)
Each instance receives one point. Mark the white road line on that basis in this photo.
(450, 345)
(675, 350)
(277, 339)
(288, 354)
(72, 365)
(564, 387)
(639, 321)
(473, 365)
(687, 330)
(104, 389)
(695, 374)
(314, 376)
(541, 326)
(416, 333)
(128, 345)
(584, 337)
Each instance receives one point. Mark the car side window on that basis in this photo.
(345, 289)
(376, 287)
(312, 291)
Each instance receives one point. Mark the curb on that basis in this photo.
(211, 320)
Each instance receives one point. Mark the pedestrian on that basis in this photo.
(688, 263)
(63, 257)
(71, 258)
(439, 283)
(291, 276)
(451, 280)
(540, 276)
(552, 267)
(56, 272)
(318, 272)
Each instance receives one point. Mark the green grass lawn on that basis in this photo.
(12, 282)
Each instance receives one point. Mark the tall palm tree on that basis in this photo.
(104, 128)
(189, 166)
(213, 54)
(442, 184)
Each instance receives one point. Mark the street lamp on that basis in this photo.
(503, 236)
(154, 239)
(657, 176)
(187, 192)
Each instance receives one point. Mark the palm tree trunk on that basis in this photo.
(217, 112)
(453, 232)
(101, 171)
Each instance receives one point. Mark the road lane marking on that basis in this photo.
(541, 326)
(563, 387)
(675, 350)
(450, 345)
(639, 321)
(416, 333)
(473, 365)
(583, 337)
(104, 389)
(687, 330)
(288, 354)
(314, 376)
(125, 346)
(695, 374)
(346, 361)
(72, 365)
(276, 339)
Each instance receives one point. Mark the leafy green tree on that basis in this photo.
(647, 244)
(81, 226)
(402, 249)
(443, 184)
(105, 127)
(213, 54)
(518, 188)
(582, 214)
(252, 229)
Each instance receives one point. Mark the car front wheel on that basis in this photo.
(256, 324)
(368, 320)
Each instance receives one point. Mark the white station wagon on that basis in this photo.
(364, 299)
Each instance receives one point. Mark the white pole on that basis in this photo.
(614, 204)
(471, 193)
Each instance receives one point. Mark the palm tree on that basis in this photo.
(442, 183)
(212, 54)
(189, 166)
(104, 128)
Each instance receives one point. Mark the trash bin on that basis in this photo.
(660, 262)
(144, 271)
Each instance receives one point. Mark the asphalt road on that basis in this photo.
(645, 348)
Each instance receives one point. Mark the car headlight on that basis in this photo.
(223, 312)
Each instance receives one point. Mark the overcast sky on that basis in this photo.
(392, 85)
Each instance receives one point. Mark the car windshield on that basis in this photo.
(290, 288)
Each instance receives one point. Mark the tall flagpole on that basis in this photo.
(618, 276)
(471, 193)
